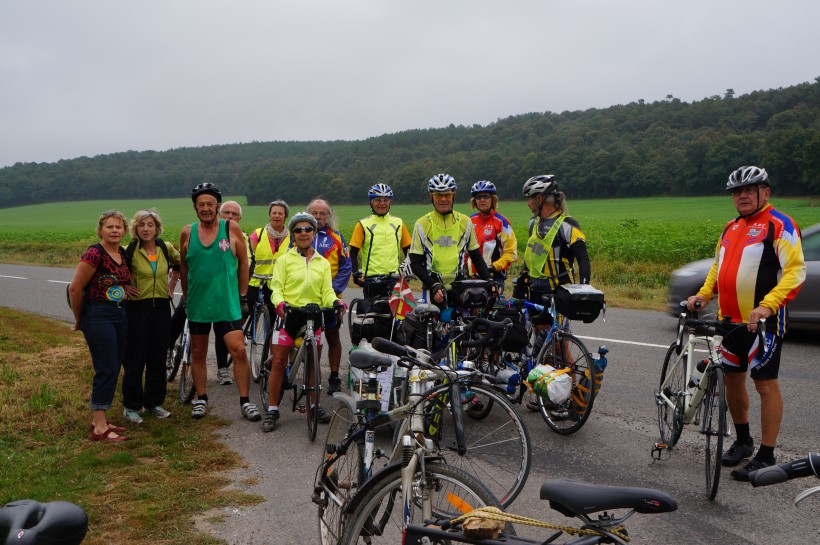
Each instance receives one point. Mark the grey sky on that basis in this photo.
(86, 77)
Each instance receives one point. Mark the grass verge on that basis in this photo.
(145, 490)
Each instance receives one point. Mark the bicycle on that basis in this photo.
(805, 467)
(693, 392)
(503, 452)
(258, 330)
(570, 498)
(555, 347)
(371, 508)
(182, 361)
(304, 352)
(28, 522)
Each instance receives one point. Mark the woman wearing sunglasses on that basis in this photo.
(300, 276)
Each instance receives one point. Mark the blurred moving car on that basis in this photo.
(805, 309)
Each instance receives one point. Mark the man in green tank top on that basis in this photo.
(214, 274)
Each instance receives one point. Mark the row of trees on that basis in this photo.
(666, 147)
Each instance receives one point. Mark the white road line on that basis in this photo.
(623, 342)
(15, 277)
(58, 281)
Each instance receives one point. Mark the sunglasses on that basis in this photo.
(483, 196)
(306, 229)
(443, 196)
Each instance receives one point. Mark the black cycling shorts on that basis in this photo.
(220, 328)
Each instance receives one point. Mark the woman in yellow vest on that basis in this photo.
(382, 239)
(267, 244)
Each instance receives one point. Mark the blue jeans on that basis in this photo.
(105, 329)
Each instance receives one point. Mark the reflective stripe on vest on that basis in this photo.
(448, 246)
(264, 258)
(380, 249)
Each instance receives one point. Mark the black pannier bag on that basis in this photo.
(579, 302)
(370, 318)
(412, 331)
(472, 293)
(516, 338)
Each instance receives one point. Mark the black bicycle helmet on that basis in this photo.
(542, 184)
(747, 176)
(206, 188)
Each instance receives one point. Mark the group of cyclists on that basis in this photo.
(303, 258)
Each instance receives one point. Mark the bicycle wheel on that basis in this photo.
(311, 367)
(673, 386)
(377, 518)
(186, 377)
(568, 417)
(338, 482)
(173, 359)
(498, 448)
(713, 427)
(260, 340)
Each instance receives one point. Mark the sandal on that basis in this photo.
(112, 427)
(106, 436)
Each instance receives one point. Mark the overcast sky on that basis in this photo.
(87, 77)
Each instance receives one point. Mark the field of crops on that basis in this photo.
(634, 243)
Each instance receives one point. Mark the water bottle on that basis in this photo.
(509, 378)
(694, 380)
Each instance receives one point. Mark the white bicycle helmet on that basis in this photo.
(300, 217)
(483, 186)
(380, 190)
(441, 183)
(537, 185)
(747, 176)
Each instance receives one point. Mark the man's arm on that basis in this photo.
(241, 253)
(184, 238)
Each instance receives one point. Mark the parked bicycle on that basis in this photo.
(304, 357)
(180, 361)
(570, 498)
(358, 505)
(496, 449)
(692, 390)
(257, 331)
(28, 522)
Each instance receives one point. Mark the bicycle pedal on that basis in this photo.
(301, 409)
(658, 451)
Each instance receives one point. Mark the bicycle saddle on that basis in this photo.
(573, 498)
(366, 360)
(426, 310)
(26, 522)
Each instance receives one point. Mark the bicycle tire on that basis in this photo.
(264, 384)
(260, 340)
(569, 417)
(172, 360)
(186, 377)
(381, 501)
(336, 485)
(673, 384)
(498, 447)
(311, 366)
(713, 427)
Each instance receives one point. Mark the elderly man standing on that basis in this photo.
(331, 245)
(758, 268)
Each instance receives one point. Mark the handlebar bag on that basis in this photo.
(579, 302)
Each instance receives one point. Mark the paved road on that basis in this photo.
(612, 448)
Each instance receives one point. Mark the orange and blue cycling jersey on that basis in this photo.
(332, 246)
(758, 262)
(496, 239)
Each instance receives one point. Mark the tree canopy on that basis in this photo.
(666, 147)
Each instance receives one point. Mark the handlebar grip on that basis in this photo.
(783, 472)
(389, 347)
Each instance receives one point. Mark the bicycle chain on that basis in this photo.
(494, 513)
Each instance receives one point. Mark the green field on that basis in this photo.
(634, 243)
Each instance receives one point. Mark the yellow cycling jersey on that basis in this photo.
(444, 240)
(298, 281)
(380, 239)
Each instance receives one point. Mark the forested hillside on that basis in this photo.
(667, 147)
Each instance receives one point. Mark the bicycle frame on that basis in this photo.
(693, 395)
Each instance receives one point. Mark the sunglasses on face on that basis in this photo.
(443, 196)
(483, 196)
(306, 229)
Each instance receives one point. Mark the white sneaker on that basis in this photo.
(158, 412)
(224, 376)
(132, 416)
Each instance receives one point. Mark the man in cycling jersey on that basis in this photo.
(442, 239)
(214, 275)
(758, 269)
(300, 276)
(494, 233)
(382, 239)
(331, 245)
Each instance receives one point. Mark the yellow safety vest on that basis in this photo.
(381, 251)
(264, 258)
(539, 249)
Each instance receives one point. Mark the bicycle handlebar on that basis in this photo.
(28, 522)
(808, 466)
(389, 347)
